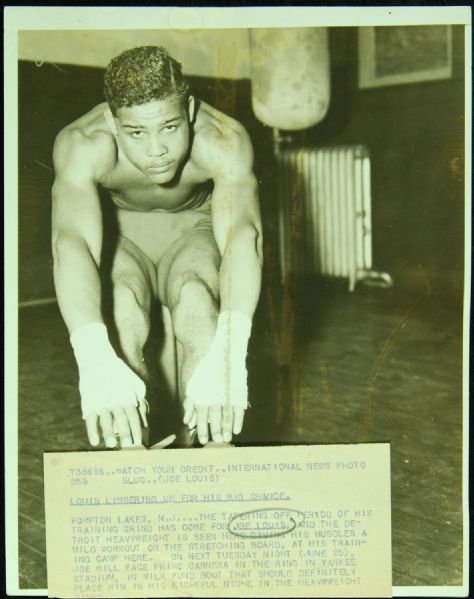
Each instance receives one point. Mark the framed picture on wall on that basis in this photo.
(404, 54)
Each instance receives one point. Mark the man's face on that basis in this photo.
(155, 137)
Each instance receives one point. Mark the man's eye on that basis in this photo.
(136, 134)
(170, 128)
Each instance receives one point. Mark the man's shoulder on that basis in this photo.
(86, 142)
(221, 142)
(77, 140)
(216, 127)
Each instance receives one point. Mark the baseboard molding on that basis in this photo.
(37, 302)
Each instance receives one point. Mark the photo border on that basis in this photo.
(44, 18)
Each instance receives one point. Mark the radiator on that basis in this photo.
(325, 213)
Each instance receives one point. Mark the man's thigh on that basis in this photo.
(133, 270)
(195, 256)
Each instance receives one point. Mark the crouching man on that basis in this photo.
(180, 175)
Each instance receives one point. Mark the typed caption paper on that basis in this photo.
(247, 522)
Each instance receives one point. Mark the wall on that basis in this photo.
(204, 53)
(414, 133)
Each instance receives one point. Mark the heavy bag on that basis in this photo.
(290, 76)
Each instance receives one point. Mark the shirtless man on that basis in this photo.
(180, 174)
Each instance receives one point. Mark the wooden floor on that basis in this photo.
(369, 366)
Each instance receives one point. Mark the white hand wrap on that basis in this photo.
(105, 381)
(221, 377)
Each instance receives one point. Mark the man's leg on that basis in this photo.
(188, 283)
(132, 279)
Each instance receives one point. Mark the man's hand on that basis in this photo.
(110, 390)
(110, 393)
(216, 393)
(223, 421)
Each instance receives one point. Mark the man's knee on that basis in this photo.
(195, 312)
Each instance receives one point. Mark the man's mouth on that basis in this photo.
(159, 168)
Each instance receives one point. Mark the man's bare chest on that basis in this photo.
(136, 193)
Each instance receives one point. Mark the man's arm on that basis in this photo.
(238, 233)
(76, 231)
(237, 226)
(108, 387)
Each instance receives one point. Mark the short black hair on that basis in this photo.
(143, 74)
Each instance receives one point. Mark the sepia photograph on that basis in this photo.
(246, 235)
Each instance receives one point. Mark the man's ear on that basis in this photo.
(191, 109)
(109, 117)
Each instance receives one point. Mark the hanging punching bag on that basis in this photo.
(290, 76)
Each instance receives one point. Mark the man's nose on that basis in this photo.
(156, 147)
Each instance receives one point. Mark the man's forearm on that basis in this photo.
(77, 282)
(241, 271)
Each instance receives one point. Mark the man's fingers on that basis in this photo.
(107, 426)
(143, 409)
(122, 426)
(192, 422)
(135, 425)
(188, 411)
(227, 422)
(238, 420)
(215, 420)
(92, 431)
(202, 422)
